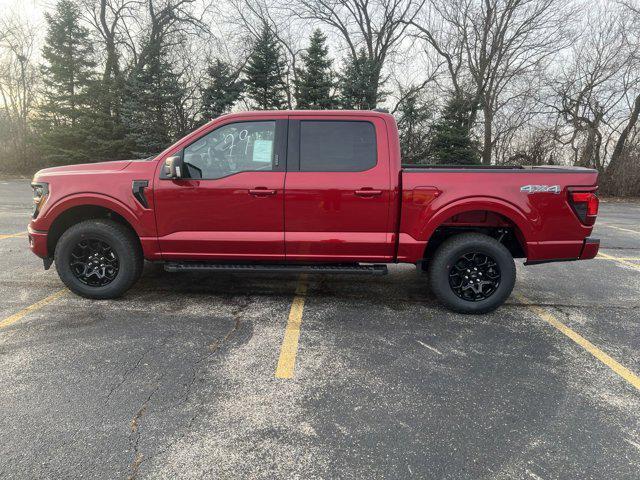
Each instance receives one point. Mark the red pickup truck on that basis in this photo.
(309, 191)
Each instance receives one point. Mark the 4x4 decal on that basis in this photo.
(540, 188)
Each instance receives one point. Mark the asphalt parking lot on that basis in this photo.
(182, 377)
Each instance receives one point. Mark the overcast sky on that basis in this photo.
(30, 9)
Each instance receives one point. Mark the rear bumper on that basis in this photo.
(590, 248)
(38, 242)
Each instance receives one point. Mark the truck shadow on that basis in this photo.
(402, 286)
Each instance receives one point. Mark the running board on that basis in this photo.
(372, 269)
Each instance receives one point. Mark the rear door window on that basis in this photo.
(337, 146)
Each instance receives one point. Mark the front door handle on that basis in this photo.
(261, 191)
(368, 192)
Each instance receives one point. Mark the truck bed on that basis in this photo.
(534, 201)
(407, 167)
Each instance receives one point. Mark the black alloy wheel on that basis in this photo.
(99, 258)
(474, 276)
(94, 262)
(472, 273)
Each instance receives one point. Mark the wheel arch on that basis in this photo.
(77, 209)
(440, 225)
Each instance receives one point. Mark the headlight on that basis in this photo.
(40, 195)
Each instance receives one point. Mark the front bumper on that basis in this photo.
(38, 242)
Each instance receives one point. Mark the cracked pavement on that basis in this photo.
(176, 379)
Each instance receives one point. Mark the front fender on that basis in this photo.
(44, 222)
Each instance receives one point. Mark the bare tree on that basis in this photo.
(107, 17)
(516, 112)
(160, 24)
(251, 16)
(489, 44)
(18, 82)
(187, 105)
(379, 26)
(593, 88)
(535, 147)
(630, 36)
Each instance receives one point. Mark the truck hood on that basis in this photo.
(100, 167)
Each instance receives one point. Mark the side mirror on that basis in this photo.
(174, 167)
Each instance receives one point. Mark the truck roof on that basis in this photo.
(332, 113)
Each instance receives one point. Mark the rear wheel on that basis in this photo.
(98, 259)
(472, 273)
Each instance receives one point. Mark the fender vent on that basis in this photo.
(138, 192)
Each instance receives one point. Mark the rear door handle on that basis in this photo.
(261, 191)
(365, 192)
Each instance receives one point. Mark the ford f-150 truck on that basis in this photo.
(309, 191)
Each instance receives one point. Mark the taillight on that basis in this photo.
(585, 204)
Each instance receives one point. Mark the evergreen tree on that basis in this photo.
(67, 78)
(359, 87)
(223, 91)
(264, 71)
(148, 109)
(105, 134)
(108, 134)
(68, 71)
(414, 117)
(313, 87)
(451, 141)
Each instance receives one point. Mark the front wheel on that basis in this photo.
(472, 273)
(98, 259)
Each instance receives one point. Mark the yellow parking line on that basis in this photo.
(622, 229)
(36, 306)
(632, 259)
(289, 348)
(548, 317)
(620, 260)
(12, 235)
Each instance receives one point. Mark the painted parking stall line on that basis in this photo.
(12, 235)
(289, 348)
(620, 260)
(31, 308)
(622, 229)
(606, 359)
(613, 259)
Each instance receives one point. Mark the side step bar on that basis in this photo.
(373, 269)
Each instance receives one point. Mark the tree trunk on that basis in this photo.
(622, 140)
(613, 178)
(587, 155)
(110, 79)
(488, 136)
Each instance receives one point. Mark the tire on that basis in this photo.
(455, 266)
(124, 259)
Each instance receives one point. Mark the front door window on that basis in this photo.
(233, 148)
